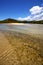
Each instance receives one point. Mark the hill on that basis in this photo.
(9, 20)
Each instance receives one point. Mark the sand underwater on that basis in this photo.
(20, 49)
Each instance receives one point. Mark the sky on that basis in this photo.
(21, 9)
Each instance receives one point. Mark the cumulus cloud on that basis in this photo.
(26, 18)
(36, 9)
(38, 17)
(36, 14)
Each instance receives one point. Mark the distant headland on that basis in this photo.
(10, 20)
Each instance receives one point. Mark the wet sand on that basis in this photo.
(20, 49)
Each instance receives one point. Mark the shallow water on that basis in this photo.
(26, 28)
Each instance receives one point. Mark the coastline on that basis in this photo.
(24, 47)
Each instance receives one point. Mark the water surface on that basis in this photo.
(28, 28)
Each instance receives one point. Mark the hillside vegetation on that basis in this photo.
(9, 20)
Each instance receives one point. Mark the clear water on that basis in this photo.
(26, 28)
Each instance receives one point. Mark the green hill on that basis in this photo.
(9, 20)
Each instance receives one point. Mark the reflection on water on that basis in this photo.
(27, 28)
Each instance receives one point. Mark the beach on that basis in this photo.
(20, 49)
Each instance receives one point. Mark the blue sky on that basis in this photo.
(19, 9)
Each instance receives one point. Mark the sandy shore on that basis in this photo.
(15, 24)
(20, 49)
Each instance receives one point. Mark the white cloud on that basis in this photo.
(36, 14)
(26, 18)
(38, 17)
(36, 9)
